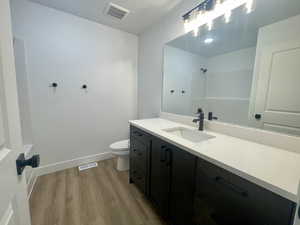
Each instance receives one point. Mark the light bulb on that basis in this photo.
(187, 25)
(210, 25)
(218, 4)
(227, 16)
(208, 41)
(249, 6)
(196, 31)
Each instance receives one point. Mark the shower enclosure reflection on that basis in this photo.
(216, 83)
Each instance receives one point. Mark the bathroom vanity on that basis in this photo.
(194, 177)
(244, 73)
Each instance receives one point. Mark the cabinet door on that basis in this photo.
(140, 146)
(138, 165)
(226, 199)
(160, 176)
(182, 187)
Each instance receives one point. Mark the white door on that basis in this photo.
(278, 93)
(14, 209)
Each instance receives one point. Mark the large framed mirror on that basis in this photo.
(245, 72)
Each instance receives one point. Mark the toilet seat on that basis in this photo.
(120, 153)
(120, 146)
(121, 150)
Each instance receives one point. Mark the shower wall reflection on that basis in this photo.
(216, 83)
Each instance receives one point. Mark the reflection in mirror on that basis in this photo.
(246, 72)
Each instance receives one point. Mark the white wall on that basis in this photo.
(181, 72)
(151, 44)
(69, 122)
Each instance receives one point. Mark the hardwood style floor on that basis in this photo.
(98, 196)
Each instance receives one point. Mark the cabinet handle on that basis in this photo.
(162, 156)
(168, 156)
(231, 186)
(138, 133)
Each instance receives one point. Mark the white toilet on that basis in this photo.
(121, 150)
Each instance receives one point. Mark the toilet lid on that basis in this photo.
(120, 145)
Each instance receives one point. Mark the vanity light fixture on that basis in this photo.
(209, 10)
(208, 41)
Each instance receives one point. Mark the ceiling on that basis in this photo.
(143, 13)
(241, 32)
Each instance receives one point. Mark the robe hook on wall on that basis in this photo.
(54, 85)
(203, 70)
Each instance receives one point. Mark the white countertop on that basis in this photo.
(274, 169)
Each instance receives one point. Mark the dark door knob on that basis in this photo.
(258, 116)
(21, 162)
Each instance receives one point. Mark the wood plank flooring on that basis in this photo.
(98, 196)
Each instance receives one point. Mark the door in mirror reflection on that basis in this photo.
(278, 90)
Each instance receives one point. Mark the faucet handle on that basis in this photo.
(199, 111)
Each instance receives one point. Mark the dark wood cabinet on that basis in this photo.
(223, 198)
(188, 190)
(139, 159)
(182, 189)
(160, 176)
(172, 182)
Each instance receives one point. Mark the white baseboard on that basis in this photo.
(71, 163)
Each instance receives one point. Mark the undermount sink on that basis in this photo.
(188, 134)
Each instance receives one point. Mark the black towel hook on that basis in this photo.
(54, 85)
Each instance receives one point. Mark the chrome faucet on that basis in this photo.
(200, 119)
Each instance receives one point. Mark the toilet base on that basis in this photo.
(123, 163)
